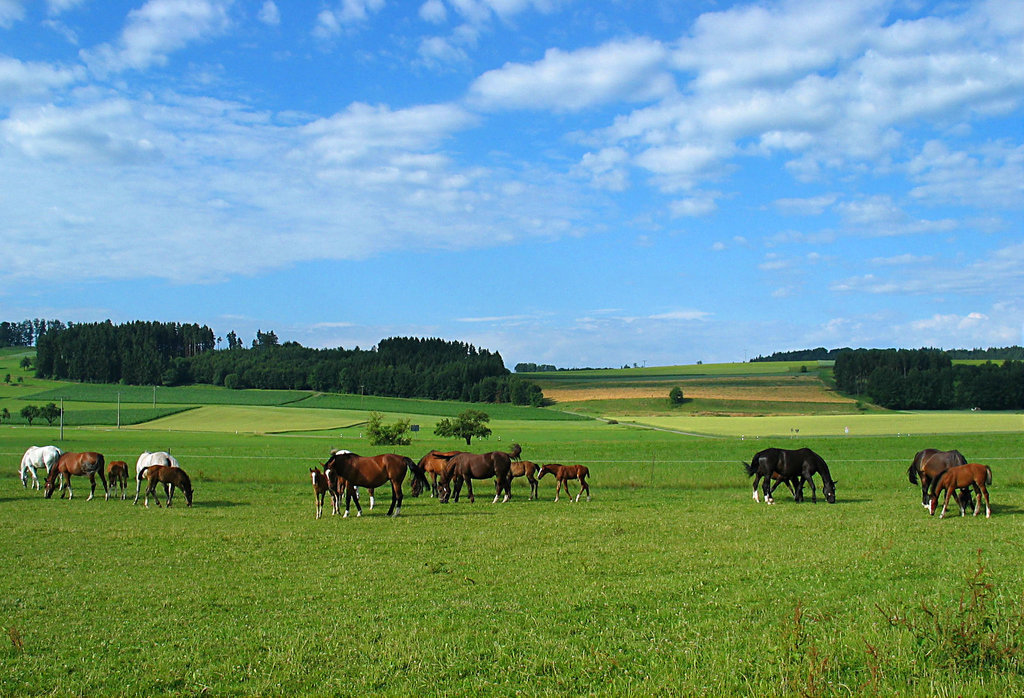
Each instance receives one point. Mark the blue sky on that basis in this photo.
(566, 182)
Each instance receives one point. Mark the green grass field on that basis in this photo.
(671, 581)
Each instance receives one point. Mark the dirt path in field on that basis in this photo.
(795, 393)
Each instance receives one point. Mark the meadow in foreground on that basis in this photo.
(672, 580)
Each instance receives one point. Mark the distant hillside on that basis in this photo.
(1014, 353)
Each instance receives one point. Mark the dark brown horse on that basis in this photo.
(529, 469)
(466, 467)
(88, 463)
(117, 473)
(433, 464)
(370, 472)
(928, 466)
(167, 475)
(564, 473)
(960, 477)
(794, 467)
(321, 487)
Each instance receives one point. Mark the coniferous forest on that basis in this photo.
(156, 353)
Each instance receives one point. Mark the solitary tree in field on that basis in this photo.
(675, 395)
(26, 362)
(5, 415)
(467, 425)
(7, 379)
(29, 412)
(50, 413)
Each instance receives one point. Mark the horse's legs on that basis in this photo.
(138, 487)
(534, 486)
(497, 489)
(584, 486)
(396, 498)
(757, 479)
(945, 502)
(469, 490)
(370, 490)
(984, 492)
(106, 490)
(433, 485)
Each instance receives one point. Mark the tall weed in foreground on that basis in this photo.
(980, 632)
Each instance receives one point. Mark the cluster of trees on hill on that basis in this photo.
(819, 354)
(927, 379)
(24, 333)
(151, 353)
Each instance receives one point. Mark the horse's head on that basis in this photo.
(186, 487)
(829, 490)
(50, 484)
(544, 470)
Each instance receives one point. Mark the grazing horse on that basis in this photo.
(371, 471)
(321, 486)
(527, 468)
(435, 464)
(762, 466)
(146, 459)
(89, 463)
(37, 457)
(793, 466)
(168, 475)
(117, 473)
(963, 477)
(928, 466)
(564, 473)
(465, 467)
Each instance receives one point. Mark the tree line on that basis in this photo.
(927, 379)
(152, 353)
(24, 333)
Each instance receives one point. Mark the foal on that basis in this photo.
(169, 475)
(564, 473)
(117, 473)
(963, 477)
(321, 486)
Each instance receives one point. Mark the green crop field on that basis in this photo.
(672, 580)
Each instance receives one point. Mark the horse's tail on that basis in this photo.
(912, 472)
(988, 476)
(515, 452)
(750, 468)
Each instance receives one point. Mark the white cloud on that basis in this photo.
(56, 7)
(331, 22)
(11, 11)
(693, 206)
(157, 29)
(269, 14)
(433, 11)
(20, 80)
(570, 81)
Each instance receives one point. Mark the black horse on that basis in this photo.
(794, 467)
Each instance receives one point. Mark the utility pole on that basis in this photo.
(62, 419)
(118, 409)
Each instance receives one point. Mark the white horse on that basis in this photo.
(147, 459)
(37, 457)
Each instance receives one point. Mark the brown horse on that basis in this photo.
(466, 467)
(322, 486)
(371, 471)
(88, 463)
(117, 473)
(963, 477)
(564, 473)
(168, 475)
(435, 464)
(527, 468)
(928, 465)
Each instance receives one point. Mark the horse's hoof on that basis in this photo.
(345, 515)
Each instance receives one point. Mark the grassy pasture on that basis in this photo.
(672, 580)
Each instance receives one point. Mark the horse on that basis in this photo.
(435, 463)
(37, 457)
(795, 466)
(961, 477)
(928, 465)
(339, 486)
(371, 471)
(762, 466)
(168, 475)
(321, 486)
(89, 463)
(146, 459)
(564, 473)
(117, 473)
(527, 468)
(465, 467)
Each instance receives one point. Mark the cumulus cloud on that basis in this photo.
(157, 29)
(332, 21)
(570, 81)
(11, 11)
(269, 14)
(20, 80)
